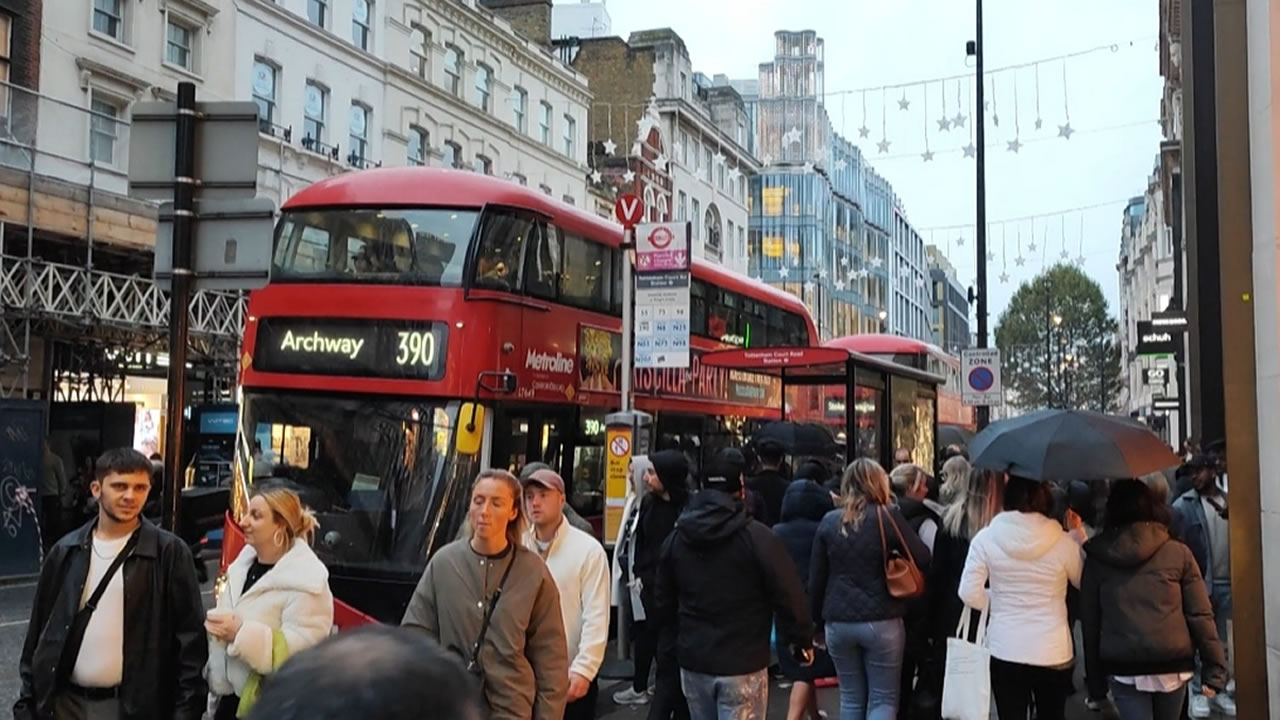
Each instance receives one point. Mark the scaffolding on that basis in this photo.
(76, 256)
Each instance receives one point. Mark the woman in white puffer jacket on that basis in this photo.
(275, 602)
(1029, 560)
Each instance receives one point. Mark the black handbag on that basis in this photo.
(473, 665)
(80, 623)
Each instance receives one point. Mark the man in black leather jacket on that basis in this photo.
(157, 670)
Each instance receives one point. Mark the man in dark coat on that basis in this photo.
(138, 651)
(770, 484)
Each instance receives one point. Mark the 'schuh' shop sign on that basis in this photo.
(1157, 340)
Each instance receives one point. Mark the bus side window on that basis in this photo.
(542, 267)
(587, 274)
(500, 256)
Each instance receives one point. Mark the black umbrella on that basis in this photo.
(1070, 445)
(797, 438)
(954, 435)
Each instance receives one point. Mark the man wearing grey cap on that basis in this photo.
(581, 571)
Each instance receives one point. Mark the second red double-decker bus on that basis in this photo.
(421, 324)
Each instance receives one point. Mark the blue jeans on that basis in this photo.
(868, 660)
(1134, 704)
(737, 697)
(1220, 599)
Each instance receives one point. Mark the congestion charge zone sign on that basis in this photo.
(980, 373)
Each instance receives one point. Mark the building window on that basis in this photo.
(314, 104)
(419, 50)
(358, 130)
(452, 154)
(361, 21)
(180, 47)
(697, 213)
(544, 124)
(108, 18)
(103, 128)
(6, 31)
(682, 207)
(483, 165)
(720, 177)
(453, 69)
(519, 108)
(484, 86)
(684, 86)
(684, 148)
(264, 92)
(568, 199)
(519, 179)
(546, 189)
(317, 12)
(570, 132)
(707, 163)
(419, 141)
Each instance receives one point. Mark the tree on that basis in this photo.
(1058, 344)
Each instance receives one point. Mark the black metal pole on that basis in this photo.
(980, 132)
(184, 191)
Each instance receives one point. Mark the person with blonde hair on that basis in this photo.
(495, 604)
(274, 604)
(955, 472)
(864, 627)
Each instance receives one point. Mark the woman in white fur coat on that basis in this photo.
(276, 585)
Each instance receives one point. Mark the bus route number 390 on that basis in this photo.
(417, 347)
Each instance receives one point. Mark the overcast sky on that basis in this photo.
(1113, 99)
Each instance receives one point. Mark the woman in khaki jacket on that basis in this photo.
(521, 658)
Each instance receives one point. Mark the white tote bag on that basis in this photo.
(966, 687)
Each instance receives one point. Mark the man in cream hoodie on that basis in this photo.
(581, 570)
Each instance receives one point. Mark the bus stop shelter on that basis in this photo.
(898, 402)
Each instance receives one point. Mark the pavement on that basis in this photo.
(15, 607)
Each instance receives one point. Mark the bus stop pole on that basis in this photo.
(628, 317)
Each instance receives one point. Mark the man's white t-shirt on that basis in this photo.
(100, 663)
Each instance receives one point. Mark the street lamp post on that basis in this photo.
(980, 228)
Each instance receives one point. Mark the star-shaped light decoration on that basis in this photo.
(958, 120)
(877, 263)
(792, 136)
(1039, 123)
(679, 148)
(1080, 260)
(904, 103)
(1015, 145)
(840, 285)
(719, 159)
(596, 176)
(628, 176)
(809, 287)
(841, 164)
(991, 256)
(986, 105)
(1019, 261)
(944, 124)
(919, 281)
(807, 167)
(1032, 246)
(645, 125)
(1004, 277)
(1065, 131)
(927, 155)
(884, 145)
(844, 261)
(783, 272)
(734, 172)
(970, 150)
(1064, 254)
(636, 148)
(960, 241)
(822, 274)
(864, 132)
(610, 147)
(661, 162)
(767, 159)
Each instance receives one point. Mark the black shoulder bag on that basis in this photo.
(75, 632)
(473, 660)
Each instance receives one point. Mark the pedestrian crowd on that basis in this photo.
(727, 577)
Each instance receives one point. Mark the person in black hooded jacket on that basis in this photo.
(658, 514)
(722, 579)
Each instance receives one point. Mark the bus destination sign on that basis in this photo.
(399, 349)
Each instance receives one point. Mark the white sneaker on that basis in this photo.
(1231, 687)
(629, 696)
(1225, 704)
(1199, 706)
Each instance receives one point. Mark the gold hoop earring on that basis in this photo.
(279, 538)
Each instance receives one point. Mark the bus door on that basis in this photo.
(522, 435)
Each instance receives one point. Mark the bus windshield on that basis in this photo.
(376, 471)
(401, 245)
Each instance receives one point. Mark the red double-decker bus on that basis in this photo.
(422, 324)
(921, 356)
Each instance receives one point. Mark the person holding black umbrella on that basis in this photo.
(1029, 560)
(770, 483)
